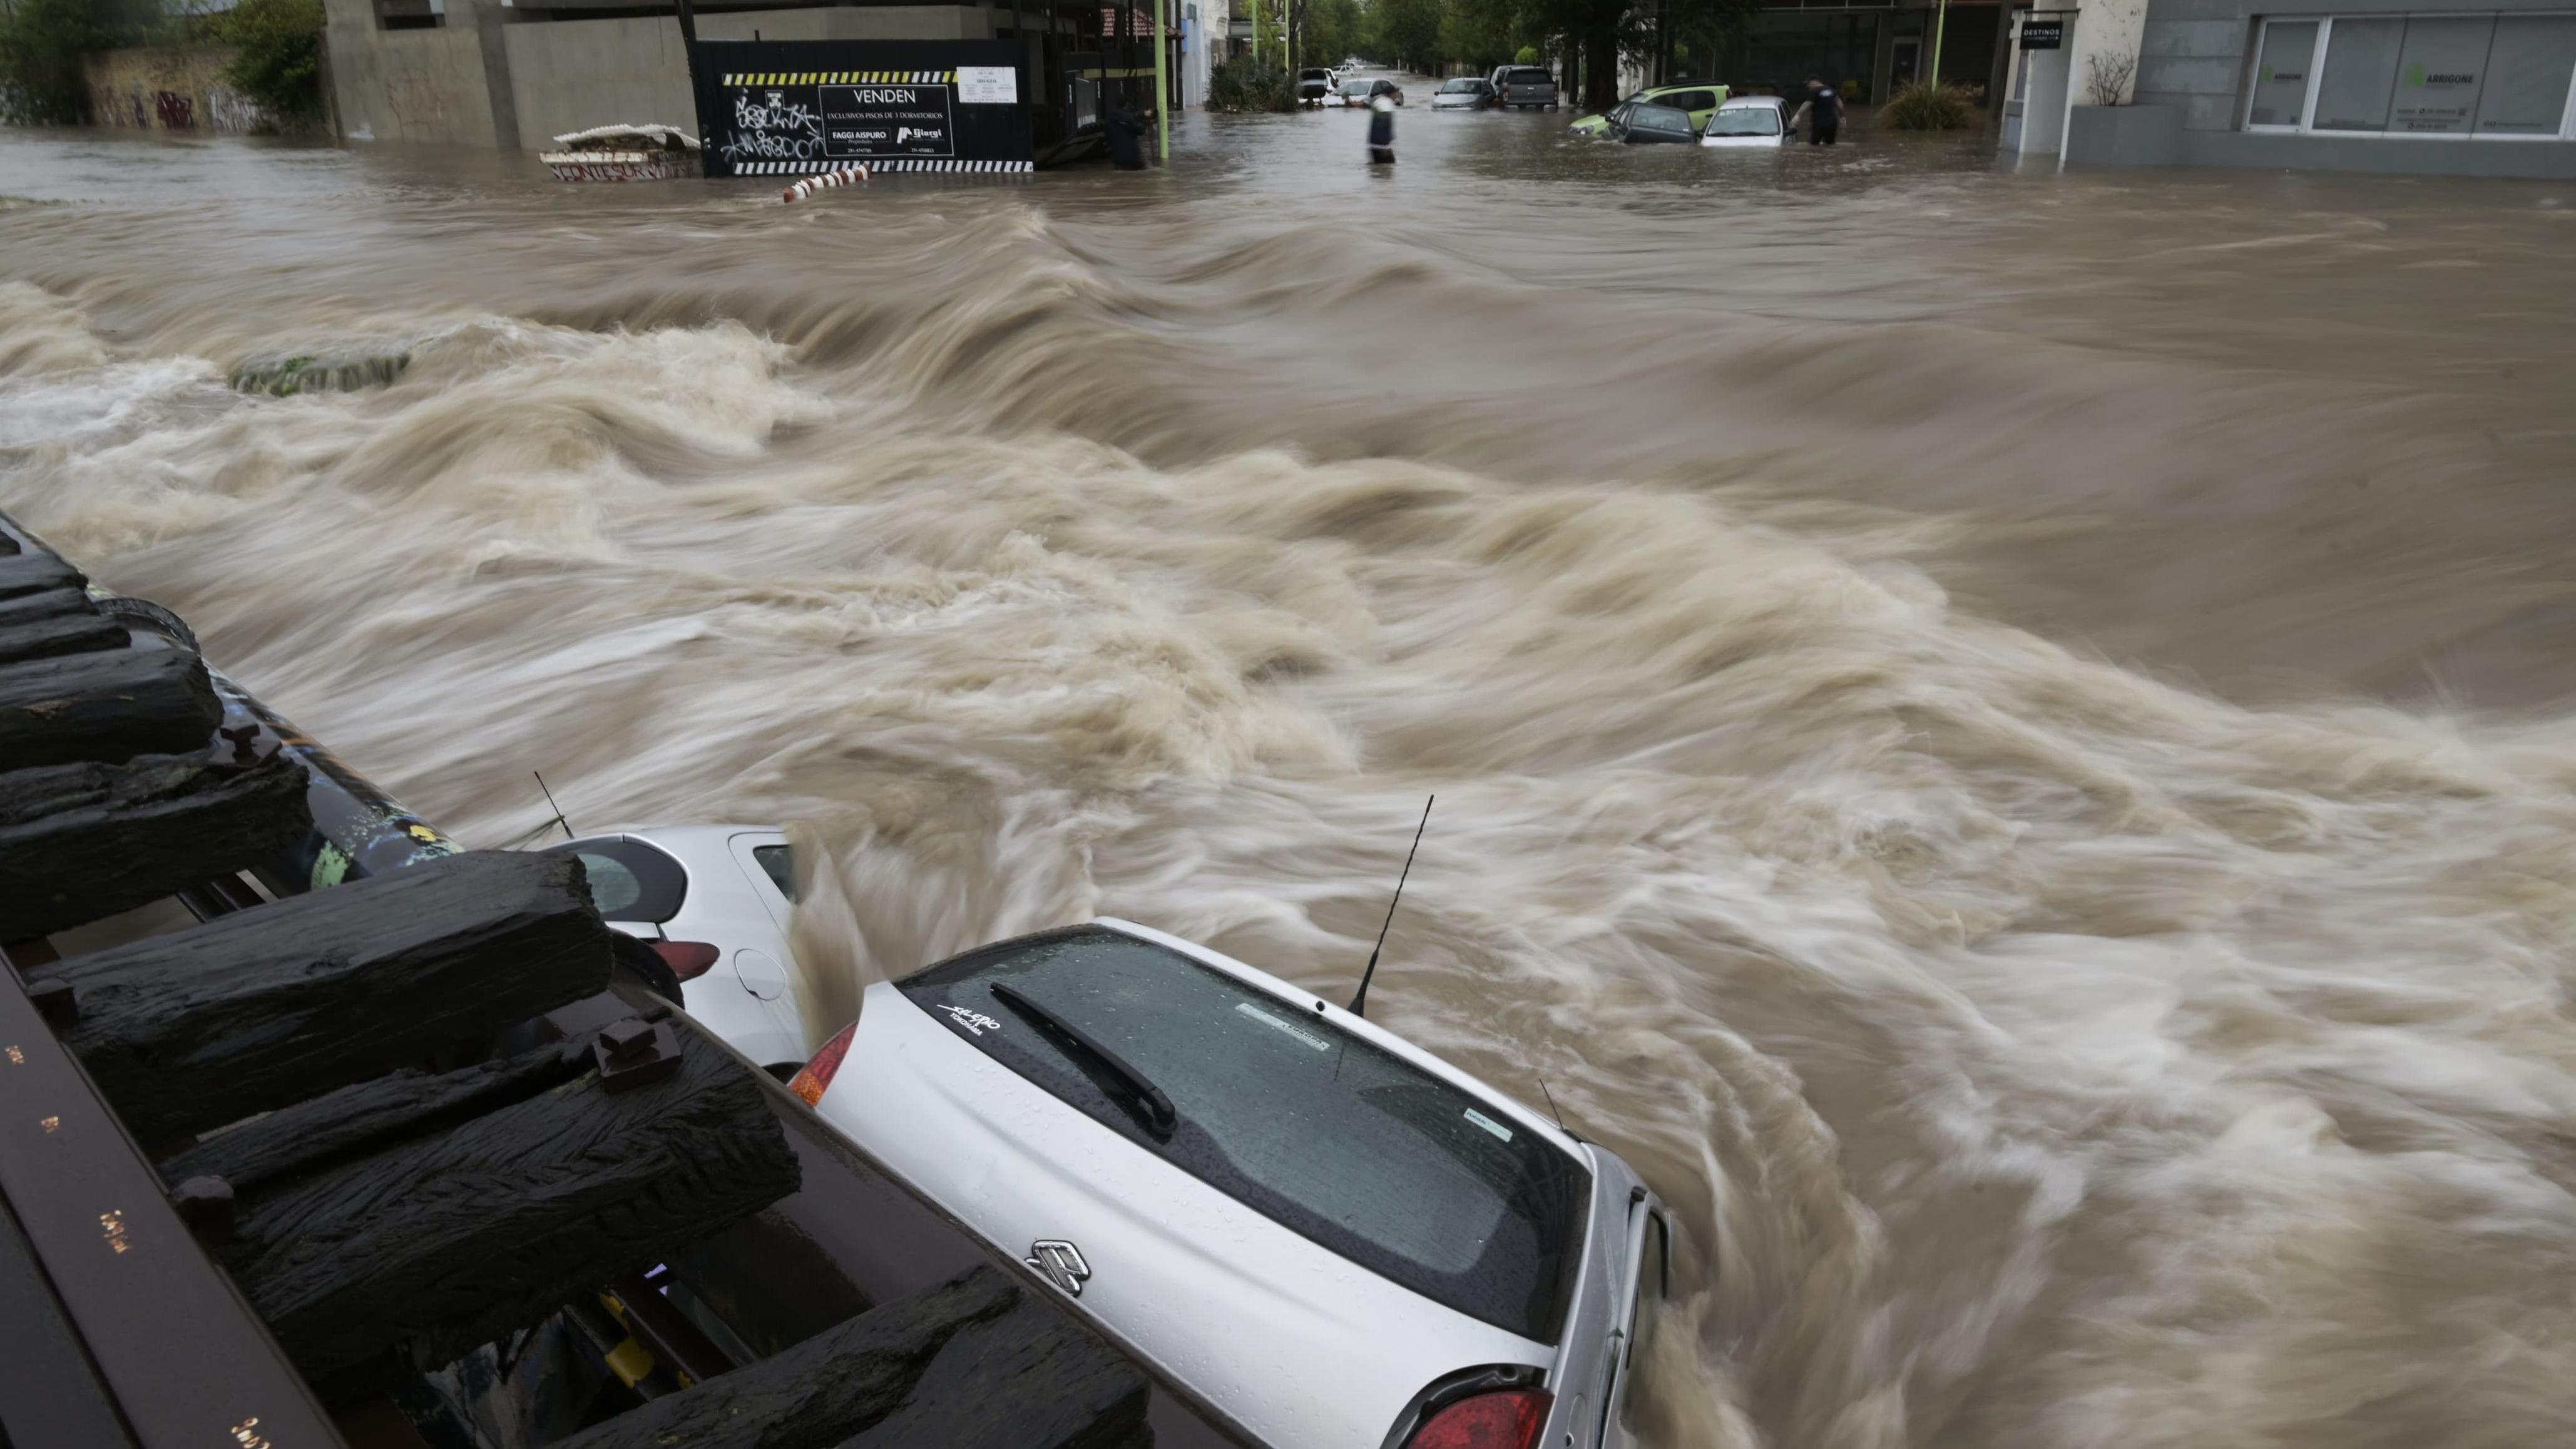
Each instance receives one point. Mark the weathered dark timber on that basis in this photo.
(46, 604)
(63, 634)
(106, 706)
(1030, 1379)
(33, 573)
(437, 1244)
(263, 1008)
(368, 1117)
(822, 1391)
(78, 842)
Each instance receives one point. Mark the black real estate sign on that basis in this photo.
(2043, 32)
(798, 107)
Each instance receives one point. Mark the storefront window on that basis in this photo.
(2527, 81)
(2360, 75)
(2439, 73)
(2281, 73)
(2423, 75)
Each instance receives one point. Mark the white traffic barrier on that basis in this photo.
(811, 184)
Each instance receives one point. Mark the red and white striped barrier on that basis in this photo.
(846, 176)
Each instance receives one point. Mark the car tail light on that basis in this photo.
(1511, 1419)
(688, 960)
(817, 1074)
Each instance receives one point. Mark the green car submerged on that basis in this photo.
(1700, 98)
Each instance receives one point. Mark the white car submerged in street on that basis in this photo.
(1747, 121)
(1335, 1239)
(713, 902)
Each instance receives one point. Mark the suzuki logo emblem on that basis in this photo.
(1060, 1262)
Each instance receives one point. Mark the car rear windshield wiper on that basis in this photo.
(1159, 1113)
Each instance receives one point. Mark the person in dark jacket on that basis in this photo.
(1381, 141)
(1126, 138)
(1823, 113)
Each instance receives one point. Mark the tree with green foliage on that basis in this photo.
(41, 45)
(1406, 33)
(278, 59)
(1247, 85)
(1332, 31)
(1481, 34)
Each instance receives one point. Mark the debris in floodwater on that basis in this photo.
(318, 372)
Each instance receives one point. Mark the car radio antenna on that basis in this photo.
(1359, 998)
(551, 805)
(1551, 1107)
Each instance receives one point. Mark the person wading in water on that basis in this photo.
(1823, 113)
(1381, 131)
(1126, 138)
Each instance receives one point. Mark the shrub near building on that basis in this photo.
(278, 59)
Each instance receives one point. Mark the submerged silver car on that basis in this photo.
(1747, 121)
(1463, 93)
(1333, 1238)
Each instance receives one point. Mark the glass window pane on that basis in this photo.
(2361, 75)
(2280, 73)
(1325, 1134)
(629, 880)
(779, 863)
(2526, 91)
(2439, 72)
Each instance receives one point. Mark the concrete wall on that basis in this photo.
(2156, 136)
(406, 85)
(571, 75)
(2194, 66)
(485, 77)
(167, 88)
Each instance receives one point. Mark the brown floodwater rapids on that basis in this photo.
(2005, 737)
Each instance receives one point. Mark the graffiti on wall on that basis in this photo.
(170, 88)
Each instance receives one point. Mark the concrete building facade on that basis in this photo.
(2441, 87)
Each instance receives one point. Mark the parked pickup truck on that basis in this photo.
(1524, 85)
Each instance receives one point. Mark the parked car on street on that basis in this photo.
(1524, 85)
(1463, 93)
(1359, 90)
(1640, 123)
(1314, 84)
(1747, 121)
(1699, 98)
(1332, 1237)
(712, 901)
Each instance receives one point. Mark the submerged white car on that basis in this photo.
(1746, 121)
(1333, 1238)
(713, 902)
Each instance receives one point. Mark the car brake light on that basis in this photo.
(814, 1076)
(1511, 1419)
(688, 960)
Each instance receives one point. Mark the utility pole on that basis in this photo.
(1162, 93)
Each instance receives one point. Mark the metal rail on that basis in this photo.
(137, 1310)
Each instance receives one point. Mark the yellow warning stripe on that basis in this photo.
(841, 77)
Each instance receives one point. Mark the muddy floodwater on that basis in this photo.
(2006, 738)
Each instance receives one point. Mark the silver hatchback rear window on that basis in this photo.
(1330, 1136)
